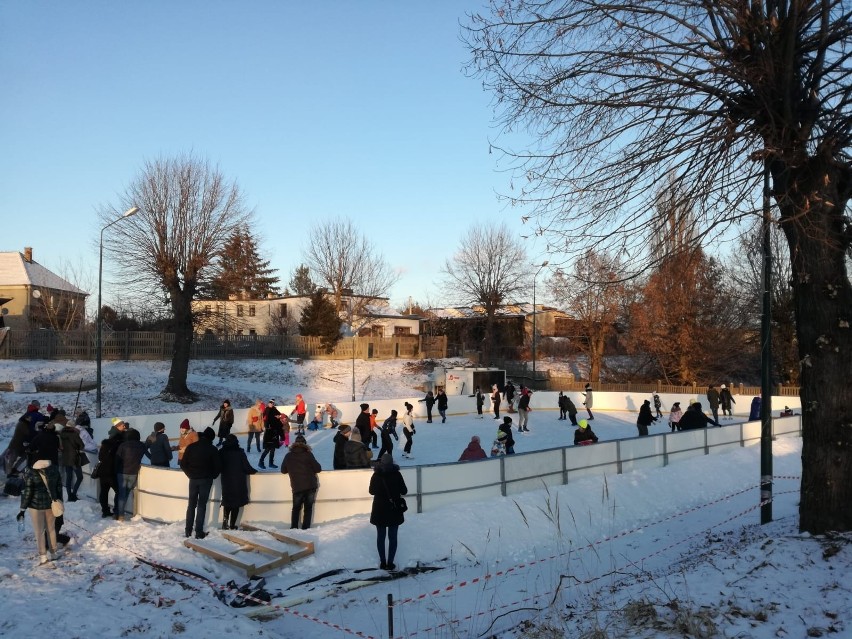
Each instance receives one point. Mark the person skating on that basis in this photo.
(562, 403)
(674, 416)
(430, 402)
(506, 427)
(495, 401)
(388, 431)
(658, 404)
(299, 412)
(524, 410)
(374, 428)
(584, 435)
(225, 416)
(589, 401)
(254, 424)
(509, 394)
(387, 487)
(645, 419)
(408, 430)
(726, 400)
(480, 402)
(273, 431)
(362, 423)
(713, 401)
(443, 402)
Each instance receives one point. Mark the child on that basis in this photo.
(674, 416)
(657, 406)
(498, 448)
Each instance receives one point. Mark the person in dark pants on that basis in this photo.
(645, 419)
(388, 431)
(387, 486)
(480, 402)
(430, 402)
(226, 420)
(495, 401)
(443, 403)
(157, 446)
(108, 478)
(362, 423)
(235, 471)
(201, 463)
(128, 461)
(303, 468)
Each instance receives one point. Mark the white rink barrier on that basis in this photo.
(161, 494)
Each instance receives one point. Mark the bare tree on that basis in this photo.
(594, 295)
(490, 268)
(618, 95)
(340, 257)
(187, 212)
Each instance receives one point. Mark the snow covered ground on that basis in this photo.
(671, 552)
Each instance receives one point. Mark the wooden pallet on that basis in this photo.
(280, 557)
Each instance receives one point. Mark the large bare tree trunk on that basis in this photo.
(823, 306)
(176, 388)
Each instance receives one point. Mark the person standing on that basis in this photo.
(442, 402)
(524, 410)
(362, 423)
(187, 437)
(713, 400)
(495, 401)
(562, 403)
(674, 416)
(645, 418)
(303, 468)
(589, 401)
(108, 478)
(272, 433)
(128, 460)
(726, 399)
(254, 423)
(71, 448)
(41, 486)
(480, 402)
(235, 471)
(388, 431)
(658, 404)
(157, 447)
(299, 412)
(226, 420)
(408, 430)
(509, 393)
(694, 418)
(387, 487)
(374, 428)
(201, 463)
(430, 402)
(340, 439)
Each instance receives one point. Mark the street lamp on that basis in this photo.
(99, 347)
(348, 293)
(543, 264)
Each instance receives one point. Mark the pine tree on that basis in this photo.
(319, 319)
(240, 270)
(301, 282)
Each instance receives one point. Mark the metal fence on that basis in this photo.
(151, 345)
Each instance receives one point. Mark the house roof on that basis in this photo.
(477, 312)
(15, 270)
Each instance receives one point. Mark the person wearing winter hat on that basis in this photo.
(584, 435)
(356, 452)
(694, 418)
(118, 426)
(726, 399)
(128, 461)
(340, 439)
(41, 487)
(157, 447)
(71, 448)
(302, 468)
(362, 422)
(187, 437)
(387, 487)
(408, 430)
(645, 419)
(235, 471)
(225, 416)
(202, 464)
(473, 451)
(713, 400)
(498, 447)
(506, 427)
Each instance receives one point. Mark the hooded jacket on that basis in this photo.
(302, 467)
(201, 459)
(473, 452)
(235, 471)
(386, 484)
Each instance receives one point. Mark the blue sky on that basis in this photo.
(351, 109)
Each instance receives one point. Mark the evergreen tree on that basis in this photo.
(240, 271)
(301, 282)
(320, 319)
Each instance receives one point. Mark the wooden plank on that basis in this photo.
(307, 546)
(219, 556)
(254, 545)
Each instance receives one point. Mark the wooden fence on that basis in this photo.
(149, 345)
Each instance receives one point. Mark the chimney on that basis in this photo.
(28, 254)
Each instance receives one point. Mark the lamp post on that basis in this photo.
(348, 293)
(99, 346)
(543, 264)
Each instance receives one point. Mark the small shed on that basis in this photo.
(463, 381)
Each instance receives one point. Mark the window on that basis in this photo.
(208, 309)
(282, 310)
(402, 330)
(252, 331)
(240, 310)
(251, 310)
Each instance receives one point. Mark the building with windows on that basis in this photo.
(31, 296)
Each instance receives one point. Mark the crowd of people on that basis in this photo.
(48, 450)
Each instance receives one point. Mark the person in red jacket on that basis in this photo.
(299, 412)
(473, 451)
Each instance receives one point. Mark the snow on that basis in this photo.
(670, 552)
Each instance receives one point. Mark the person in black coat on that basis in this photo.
(107, 473)
(157, 446)
(506, 427)
(45, 445)
(694, 418)
(443, 403)
(202, 465)
(645, 419)
(226, 420)
(387, 487)
(235, 471)
(362, 423)
(388, 431)
(430, 402)
(128, 461)
(273, 433)
(303, 468)
(584, 435)
(340, 439)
